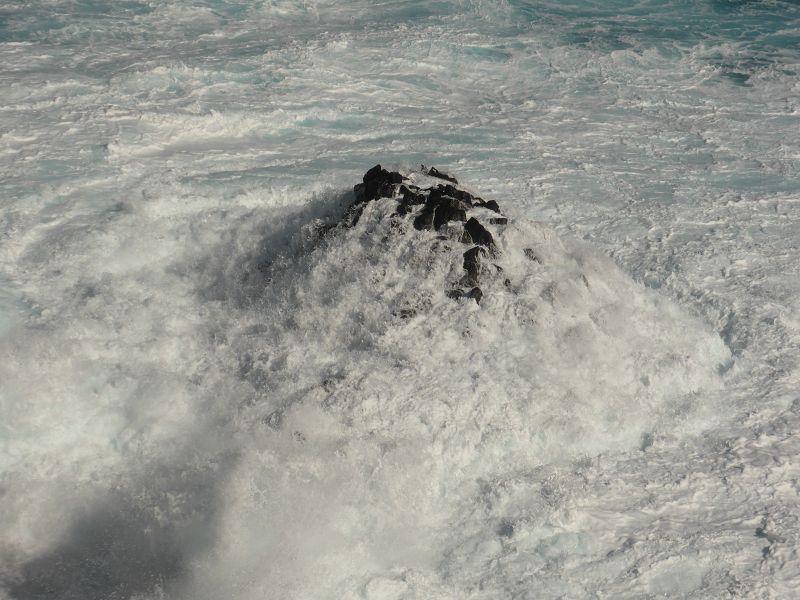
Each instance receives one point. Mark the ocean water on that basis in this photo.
(199, 401)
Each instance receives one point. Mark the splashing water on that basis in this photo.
(201, 399)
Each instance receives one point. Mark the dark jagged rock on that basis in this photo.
(478, 233)
(376, 188)
(424, 220)
(377, 183)
(472, 264)
(490, 204)
(454, 192)
(374, 173)
(446, 211)
(411, 198)
(476, 294)
(439, 210)
(432, 209)
(411, 195)
(434, 172)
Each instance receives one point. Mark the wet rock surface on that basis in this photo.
(434, 172)
(454, 213)
(478, 234)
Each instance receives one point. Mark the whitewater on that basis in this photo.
(213, 385)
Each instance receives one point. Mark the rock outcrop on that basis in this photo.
(440, 207)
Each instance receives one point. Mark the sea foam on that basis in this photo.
(384, 407)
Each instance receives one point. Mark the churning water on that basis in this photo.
(200, 400)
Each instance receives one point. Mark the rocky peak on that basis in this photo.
(436, 207)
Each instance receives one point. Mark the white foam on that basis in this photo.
(372, 431)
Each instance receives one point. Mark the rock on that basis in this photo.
(378, 188)
(412, 196)
(472, 264)
(403, 209)
(424, 220)
(453, 192)
(359, 192)
(432, 208)
(434, 172)
(377, 183)
(439, 210)
(478, 233)
(446, 211)
(476, 294)
(492, 205)
(374, 173)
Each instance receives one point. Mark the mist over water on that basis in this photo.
(201, 399)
